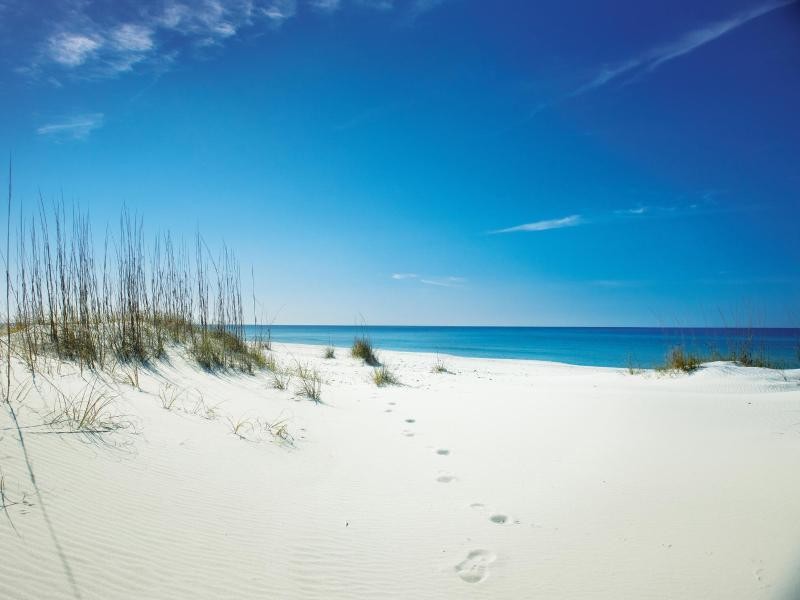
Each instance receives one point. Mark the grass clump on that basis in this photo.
(383, 376)
(362, 348)
(633, 367)
(239, 427)
(87, 411)
(168, 395)
(679, 360)
(440, 367)
(310, 382)
(281, 378)
(220, 349)
(329, 352)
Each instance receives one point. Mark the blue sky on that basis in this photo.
(433, 161)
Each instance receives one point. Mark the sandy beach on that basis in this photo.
(498, 479)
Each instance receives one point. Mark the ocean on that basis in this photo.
(595, 346)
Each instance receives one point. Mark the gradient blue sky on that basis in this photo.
(434, 161)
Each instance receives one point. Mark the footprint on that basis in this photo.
(388, 410)
(475, 568)
(411, 420)
(408, 433)
(392, 403)
(477, 505)
(443, 452)
(445, 478)
(499, 519)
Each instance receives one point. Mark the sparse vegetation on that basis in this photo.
(200, 408)
(440, 367)
(383, 376)
(281, 378)
(279, 429)
(310, 382)
(86, 411)
(679, 360)
(168, 394)
(329, 352)
(362, 348)
(239, 427)
(742, 354)
(633, 366)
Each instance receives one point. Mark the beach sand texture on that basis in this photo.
(500, 479)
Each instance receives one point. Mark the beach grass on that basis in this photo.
(281, 378)
(128, 304)
(382, 376)
(310, 385)
(440, 367)
(680, 360)
(362, 348)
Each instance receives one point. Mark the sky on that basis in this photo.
(454, 162)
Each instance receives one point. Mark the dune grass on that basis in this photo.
(440, 367)
(281, 378)
(86, 411)
(362, 348)
(382, 376)
(310, 382)
(129, 304)
(678, 359)
(329, 352)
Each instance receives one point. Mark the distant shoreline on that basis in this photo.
(618, 347)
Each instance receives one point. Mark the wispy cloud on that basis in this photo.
(377, 4)
(449, 281)
(706, 205)
(653, 58)
(445, 281)
(280, 10)
(325, 5)
(636, 210)
(81, 43)
(570, 221)
(72, 49)
(76, 127)
(76, 41)
(419, 7)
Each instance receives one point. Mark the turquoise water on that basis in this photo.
(595, 346)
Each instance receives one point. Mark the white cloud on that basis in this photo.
(325, 5)
(72, 49)
(76, 127)
(637, 210)
(422, 6)
(280, 10)
(95, 44)
(450, 281)
(653, 58)
(133, 38)
(377, 4)
(445, 281)
(570, 221)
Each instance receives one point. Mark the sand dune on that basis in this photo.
(503, 479)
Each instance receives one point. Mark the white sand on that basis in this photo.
(608, 486)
